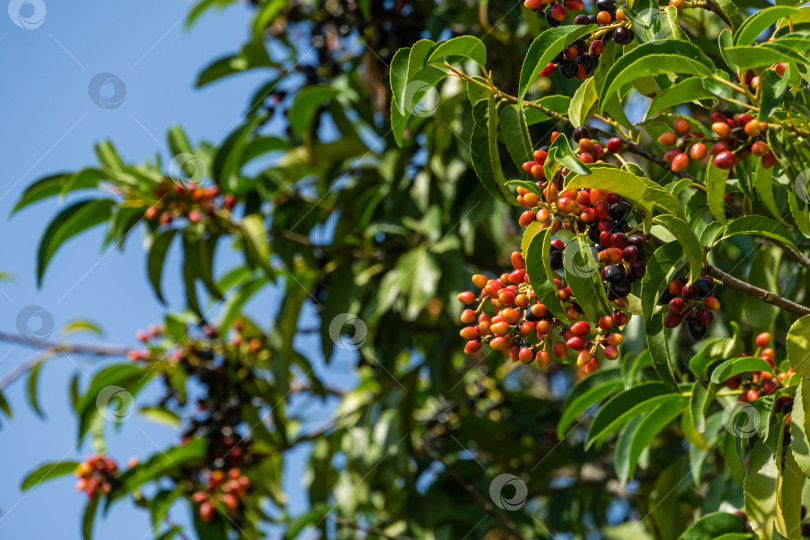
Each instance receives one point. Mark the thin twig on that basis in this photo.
(766, 296)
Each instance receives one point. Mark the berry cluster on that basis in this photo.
(690, 304)
(578, 60)
(520, 326)
(735, 138)
(223, 490)
(761, 383)
(97, 474)
(555, 11)
(192, 202)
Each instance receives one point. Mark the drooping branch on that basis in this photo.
(92, 349)
(766, 296)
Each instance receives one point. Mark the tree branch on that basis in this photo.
(766, 296)
(79, 348)
(361, 528)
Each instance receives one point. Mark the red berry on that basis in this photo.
(724, 160)
(705, 317)
(583, 358)
(763, 339)
(580, 328)
(689, 292)
(604, 18)
(543, 359)
(576, 343)
(559, 349)
(525, 355)
(672, 319)
(517, 260)
(675, 287)
(549, 70)
(620, 318)
(611, 352)
(681, 125)
(606, 322)
(615, 145)
(667, 138)
(558, 12)
(467, 316)
(752, 395)
(472, 347)
(526, 218)
(466, 297)
(680, 163)
(710, 302)
(698, 151)
(676, 305)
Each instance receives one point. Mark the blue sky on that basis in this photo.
(50, 125)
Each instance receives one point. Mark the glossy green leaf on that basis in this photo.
(800, 427)
(465, 46)
(624, 406)
(656, 336)
(540, 274)
(585, 394)
(684, 234)
(47, 471)
(759, 226)
(583, 101)
(716, 190)
(734, 366)
(157, 258)
(661, 265)
(755, 25)
(714, 525)
(306, 105)
(798, 346)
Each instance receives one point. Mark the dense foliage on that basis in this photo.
(619, 201)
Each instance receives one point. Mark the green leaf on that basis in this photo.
(156, 259)
(306, 104)
(560, 153)
(764, 182)
(111, 391)
(800, 427)
(760, 226)
(198, 255)
(515, 134)
(178, 142)
(233, 306)
(657, 58)
(164, 462)
(773, 92)
(229, 156)
(699, 402)
(265, 13)
(410, 84)
(660, 266)
(47, 471)
(31, 389)
(731, 12)
(765, 54)
(585, 394)
(89, 517)
(714, 525)
(685, 91)
(716, 190)
(755, 25)
(656, 336)
(734, 366)
(582, 275)
(484, 150)
(76, 326)
(466, 46)
(798, 346)
(691, 246)
(650, 425)
(541, 277)
(70, 222)
(544, 48)
(161, 415)
(256, 246)
(54, 185)
(583, 101)
(624, 406)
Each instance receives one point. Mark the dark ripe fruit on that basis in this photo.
(705, 317)
(559, 349)
(581, 133)
(636, 240)
(611, 352)
(681, 126)
(580, 328)
(696, 328)
(672, 320)
(593, 232)
(569, 69)
(606, 5)
(614, 145)
(619, 210)
(604, 18)
(472, 347)
(583, 358)
(582, 19)
(619, 290)
(588, 61)
(517, 260)
(619, 240)
(576, 343)
(551, 20)
(680, 163)
(637, 269)
(597, 46)
(543, 359)
(606, 322)
(738, 133)
(704, 287)
(556, 260)
(769, 160)
(711, 303)
(614, 274)
(763, 339)
(718, 148)
(689, 292)
(620, 318)
(676, 305)
(557, 244)
(666, 297)
(605, 225)
(624, 35)
(630, 254)
(466, 297)
(698, 151)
